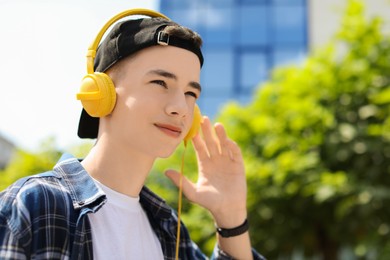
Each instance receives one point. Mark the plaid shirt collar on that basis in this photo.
(87, 195)
(72, 174)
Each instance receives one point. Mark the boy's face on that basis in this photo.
(156, 93)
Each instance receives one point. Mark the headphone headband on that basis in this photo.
(94, 45)
(97, 91)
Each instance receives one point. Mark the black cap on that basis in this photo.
(124, 39)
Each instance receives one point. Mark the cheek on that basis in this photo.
(123, 112)
(191, 115)
(126, 102)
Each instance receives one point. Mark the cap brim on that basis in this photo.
(88, 126)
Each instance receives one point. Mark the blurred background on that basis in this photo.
(302, 85)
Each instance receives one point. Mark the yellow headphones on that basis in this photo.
(97, 92)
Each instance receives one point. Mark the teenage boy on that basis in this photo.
(99, 208)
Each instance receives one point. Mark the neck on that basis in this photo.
(122, 170)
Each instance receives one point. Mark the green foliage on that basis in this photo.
(317, 148)
(26, 163)
(80, 150)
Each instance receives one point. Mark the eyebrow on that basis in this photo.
(169, 75)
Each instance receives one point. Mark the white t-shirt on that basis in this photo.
(121, 229)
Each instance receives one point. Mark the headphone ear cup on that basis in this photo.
(97, 94)
(196, 121)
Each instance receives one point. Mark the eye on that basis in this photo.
(193, 94)
(160, 82)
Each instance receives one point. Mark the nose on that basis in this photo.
(177, 105)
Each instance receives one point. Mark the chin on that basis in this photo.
(165, 153)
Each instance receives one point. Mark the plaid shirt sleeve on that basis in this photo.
(37, 221)
(220, 255)
(10, 246)
(14, 224)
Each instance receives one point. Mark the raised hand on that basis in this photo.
(221, 185)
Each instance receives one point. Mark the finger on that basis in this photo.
(209, 137)
(235, 151)
(200, 147)
(223, 139)
(188, 186)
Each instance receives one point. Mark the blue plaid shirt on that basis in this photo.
(45, 217)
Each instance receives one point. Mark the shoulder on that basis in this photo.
(53, 190)
(31, 200)
(31, 194)
(29, 186)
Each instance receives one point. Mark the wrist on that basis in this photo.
(235, 231)
(230, 219)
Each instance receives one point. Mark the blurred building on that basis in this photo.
(245, 39)
(6, 150)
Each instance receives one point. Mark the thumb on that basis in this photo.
(174, 176)
(188, 186)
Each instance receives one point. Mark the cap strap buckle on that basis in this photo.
(163, 38)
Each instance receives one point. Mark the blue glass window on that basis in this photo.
(253, 70)
(217, 3)
(218, 25)
(211, 104)
(289, 2)
(253, 25)
(217, 72)
(186, 17)
(282, 57)
(243, 42)
(289, 24)
(254, 1)
(177, 4)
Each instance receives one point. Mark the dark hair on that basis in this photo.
(184, 33)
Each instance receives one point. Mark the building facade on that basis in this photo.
(244, 40)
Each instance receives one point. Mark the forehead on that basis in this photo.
(181, 62)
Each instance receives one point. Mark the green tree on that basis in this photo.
(24, 163)
(316, 139)
(316, 142)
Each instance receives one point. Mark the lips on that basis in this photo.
(169, 130)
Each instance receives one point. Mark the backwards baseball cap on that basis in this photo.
(126, 38)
